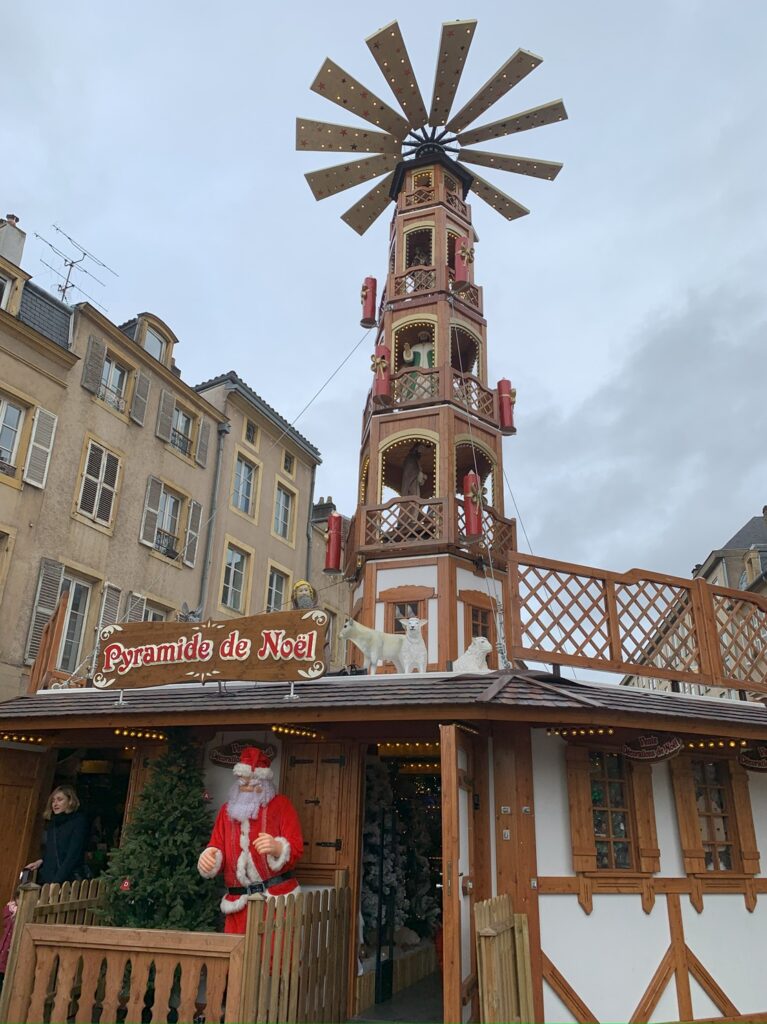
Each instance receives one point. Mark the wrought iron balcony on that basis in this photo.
(166, 543)
(181, 441)
(112, 397)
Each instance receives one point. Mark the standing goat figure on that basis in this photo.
(406, 651)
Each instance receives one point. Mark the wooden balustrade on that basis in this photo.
(414, 386)
(290, 966)
(408, 521)
(415, 279)
(471, 393)
(499, 535)
(637, 623)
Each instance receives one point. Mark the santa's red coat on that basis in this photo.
(234, 842)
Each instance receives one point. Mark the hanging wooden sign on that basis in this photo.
(754, 758)
(653, 748)
(277, 647)
(228, 754)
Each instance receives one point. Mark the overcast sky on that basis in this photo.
(629, 309)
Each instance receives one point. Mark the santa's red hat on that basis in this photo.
(253, 764)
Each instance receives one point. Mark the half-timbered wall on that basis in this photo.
(629, 956)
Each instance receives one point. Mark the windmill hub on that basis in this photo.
(429, 141)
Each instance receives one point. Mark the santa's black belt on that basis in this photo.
(248, 890)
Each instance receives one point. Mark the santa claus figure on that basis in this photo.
(256, 840)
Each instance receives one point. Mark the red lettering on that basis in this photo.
(112, 654)
(242, 648)
(270, 648)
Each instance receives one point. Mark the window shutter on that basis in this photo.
(48, 589)
(581, 820)
(93, 366)
(89, 489)
(134, 611)
(111, 471)
(644, 806)
(192, 533)
(110, 608)
(165, 415)
(40, 447)
(151, 511)
(687, 815)
(744, 819)
(203, 439)
(140, 398)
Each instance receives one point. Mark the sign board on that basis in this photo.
(277, 647)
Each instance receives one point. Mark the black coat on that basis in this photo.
(64, 847)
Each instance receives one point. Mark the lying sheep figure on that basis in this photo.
(406, 651)
(474, 658)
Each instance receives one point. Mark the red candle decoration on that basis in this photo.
(333, 545)
(464, 257)
(368, 299)
(507, 396)
(380, 364)
(472, 504)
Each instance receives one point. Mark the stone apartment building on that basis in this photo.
(133, 491)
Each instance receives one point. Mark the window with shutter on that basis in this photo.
(40, 448)
(135, 608)
(140, 398)
(108, 615)
(11, 422)
(46, 597)
(99, 484)
(716, 825)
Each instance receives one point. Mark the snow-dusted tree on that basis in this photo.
(379, 806)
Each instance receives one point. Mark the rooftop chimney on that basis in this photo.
(322, 509)
(11, 239)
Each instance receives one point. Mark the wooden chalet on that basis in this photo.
(627, 826)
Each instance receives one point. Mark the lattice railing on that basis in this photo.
(419, 196)
(415, 386)
(499, 535)
(469, 392)
(637, 623)
(405, 521)
(457, 203)
(415, 279)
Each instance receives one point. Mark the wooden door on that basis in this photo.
(25, 779)
(459, 969)
(141, 767)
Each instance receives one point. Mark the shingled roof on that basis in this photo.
(489, 696)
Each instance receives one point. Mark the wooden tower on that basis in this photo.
(430, 536)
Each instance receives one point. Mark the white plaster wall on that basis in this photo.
(554, 1009)
(671, 861)
(608, 956)
(703, 1006)
(358, 594)
(552, 812)
(466, 580)
(408, 576)
(729, 941)
(380, 615)
(757, 788)
(218, 780)
(668, 1006)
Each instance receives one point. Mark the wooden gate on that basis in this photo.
(503, 963)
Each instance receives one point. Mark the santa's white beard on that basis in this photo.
(244, 805)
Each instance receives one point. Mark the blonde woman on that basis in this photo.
(66, 834)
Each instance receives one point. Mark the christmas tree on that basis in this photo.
(379, 806)
(152, 879)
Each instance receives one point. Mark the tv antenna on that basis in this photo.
(73, 263)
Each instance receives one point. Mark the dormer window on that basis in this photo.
(154, 344)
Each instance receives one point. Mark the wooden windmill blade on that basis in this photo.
(332, 180)
(368, 209)
(454, 46)
(500, 202)
(339, 87)
(505, 78)
(320, 136)
(547, 169)
(547, 113)
(391, 56)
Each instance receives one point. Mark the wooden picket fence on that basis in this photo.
(290, 966)
(503, 962)
(70, 902)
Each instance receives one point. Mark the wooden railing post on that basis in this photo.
(708, 634)
(28, 897)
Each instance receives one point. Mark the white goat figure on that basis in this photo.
(378, 646)
(474, 658)
(413, 647)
